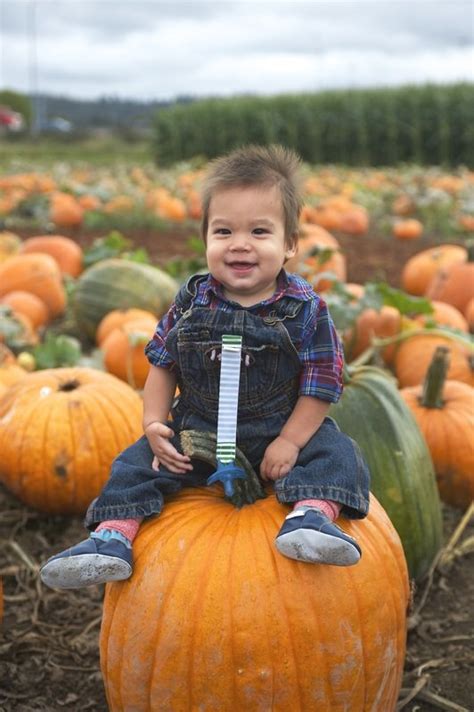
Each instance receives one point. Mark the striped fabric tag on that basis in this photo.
(228, 397)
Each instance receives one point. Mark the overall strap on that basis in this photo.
(227, 470)
(228, 397)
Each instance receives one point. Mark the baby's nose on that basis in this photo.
(240, 242)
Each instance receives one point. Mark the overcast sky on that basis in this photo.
(160, 50)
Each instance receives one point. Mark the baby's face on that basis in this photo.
(246, 246)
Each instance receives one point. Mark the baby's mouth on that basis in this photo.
(240, 265)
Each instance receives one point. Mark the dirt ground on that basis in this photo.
(49, 640)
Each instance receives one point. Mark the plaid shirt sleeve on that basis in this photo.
(321, 355)
(155, 350)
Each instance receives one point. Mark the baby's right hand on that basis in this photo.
(158, 435)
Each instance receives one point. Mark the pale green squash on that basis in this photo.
(120, 284)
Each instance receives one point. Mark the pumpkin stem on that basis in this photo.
(203, 447)
(69, 385)
(432, 393)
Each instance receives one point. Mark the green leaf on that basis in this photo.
(57, 351)
(405, 303)
(111, 245)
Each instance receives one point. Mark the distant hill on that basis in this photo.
(104, 113)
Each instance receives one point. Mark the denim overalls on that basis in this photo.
(330, 466)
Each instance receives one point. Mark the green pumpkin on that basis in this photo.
(120, 284)
(373, 413)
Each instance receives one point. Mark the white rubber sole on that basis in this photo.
(317, 548)
(84, 570)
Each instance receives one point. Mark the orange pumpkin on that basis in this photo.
(409, 229)
(118, 317)
(354, 220)
(36, 273)
(455, 283)
(89, 202)
(420, 269)
(413, 357)
(445, 315)
(29, 305)
(65, 210)
(222, 621)
(67, 253)
(444, 411)
(318, 251)
(123, 351)
(61, 430)
(372, 324)
(119, 204)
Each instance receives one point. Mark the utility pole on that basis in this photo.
(35, 100)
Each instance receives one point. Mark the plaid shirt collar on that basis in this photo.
(288, 285)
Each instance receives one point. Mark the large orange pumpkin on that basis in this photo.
(455, 283)
(66, 252)
(444, 411)
(214, 618)
(36, 273)
(420, 269)
(413, 357)
(61, 429)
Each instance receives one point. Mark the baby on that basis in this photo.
(290, 373)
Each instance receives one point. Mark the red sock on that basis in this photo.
(327, 506)
(127, 527)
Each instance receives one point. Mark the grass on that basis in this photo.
(17, 155)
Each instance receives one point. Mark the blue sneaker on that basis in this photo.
(308, 535)
(90, 562)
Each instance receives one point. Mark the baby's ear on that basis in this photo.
(291, 247)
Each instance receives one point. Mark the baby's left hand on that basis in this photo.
(279, 458)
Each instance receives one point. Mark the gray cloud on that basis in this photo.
(159, 50)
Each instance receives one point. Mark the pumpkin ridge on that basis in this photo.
(111, 405)
(48, 495)
(381, 558)
(59, 491)
(98, 438)
(202, 589)
(18, 487)
(118, 403)
(297, 571)
(159, 619)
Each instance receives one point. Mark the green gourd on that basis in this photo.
(373, 413)
(120, 284)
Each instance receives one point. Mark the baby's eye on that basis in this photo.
(221, 231)
(260, 231)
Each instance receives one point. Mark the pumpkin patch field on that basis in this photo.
(214, 618)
